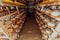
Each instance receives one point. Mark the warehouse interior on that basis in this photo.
(29, 19)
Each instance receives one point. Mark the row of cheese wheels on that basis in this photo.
(11, 24)
(49, 27)
(50, 10)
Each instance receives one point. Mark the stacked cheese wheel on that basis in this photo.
(11, 22)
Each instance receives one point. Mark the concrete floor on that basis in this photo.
(30, 30)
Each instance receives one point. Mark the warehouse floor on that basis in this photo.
(30, 30)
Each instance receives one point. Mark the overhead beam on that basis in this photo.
(12, 2)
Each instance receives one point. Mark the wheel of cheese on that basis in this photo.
(12, 7)
(49, 31)
(55, 13)
(51, 24)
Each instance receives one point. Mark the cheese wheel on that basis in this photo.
(51, 24)
(55, 13)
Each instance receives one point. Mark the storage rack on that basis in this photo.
(11, 20)
(49, 24)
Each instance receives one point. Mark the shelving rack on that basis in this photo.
(48, 18)
(12, 17)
